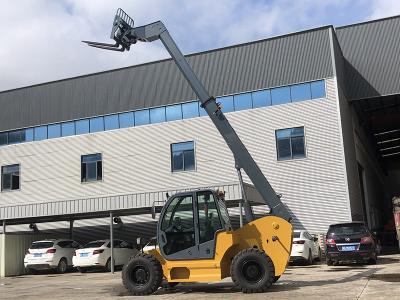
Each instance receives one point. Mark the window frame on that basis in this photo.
(102, 168)
(19, 179)
(194, 154)
(290, 138)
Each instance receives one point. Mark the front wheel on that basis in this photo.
(142, 275)
(252, 271)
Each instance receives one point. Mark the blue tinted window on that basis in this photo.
(54, 131)
(111, 122)
(96, 124)
(29, 135)
(15, 137)
(261, 98)
(318, 89)
(226, 103)
(67, 128)
(173, 112)
(40, 133)
(142, 117)
(202, 111)
(190, 110)
(157, 115)
(243, 101)
(82, 126)
(280, 95)
(3, 138)
(290, 143)
(182, 156)
(300, 92)
(126, 120)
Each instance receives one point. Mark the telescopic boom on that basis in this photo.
(125, 34)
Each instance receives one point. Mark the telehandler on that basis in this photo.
(196, 242)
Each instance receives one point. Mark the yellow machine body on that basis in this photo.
(270, 234)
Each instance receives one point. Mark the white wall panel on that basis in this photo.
(138, 160)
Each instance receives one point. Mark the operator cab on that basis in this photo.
(189, 223)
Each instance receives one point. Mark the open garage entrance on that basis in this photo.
(380, 177)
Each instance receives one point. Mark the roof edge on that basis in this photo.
(168, 59)
(368, 22)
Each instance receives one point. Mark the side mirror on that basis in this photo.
(153, 212)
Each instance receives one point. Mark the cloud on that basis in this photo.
(41, 40)
(384, 8)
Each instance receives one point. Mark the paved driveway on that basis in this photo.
(381, 281)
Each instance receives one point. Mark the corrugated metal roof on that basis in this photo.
(372, 57)
(283, 60)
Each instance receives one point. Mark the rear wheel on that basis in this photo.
(310, 259)
(62, 266)
(108, 265)
(372, 260)
(329, 262)
(142, 275)
(252, 271)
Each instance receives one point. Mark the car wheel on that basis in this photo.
(372, 260)
(108, 265)
(329, 262)
(62, 266)
(252, 271)
(142, 275)
(82, 269)
(310, 259)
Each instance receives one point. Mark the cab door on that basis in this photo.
(210, 222)
(176, 229)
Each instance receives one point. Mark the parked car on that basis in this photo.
(98, 254)
(350, 242)
(50, 254)
(304, 247)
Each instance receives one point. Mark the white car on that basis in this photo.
(98, 254)
(304, 247)
(50, 254)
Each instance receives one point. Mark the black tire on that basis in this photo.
(107, 267)
(372, 260)
(329, 262)
(142, 275)
(82, 269)
(310, 259)
(62, 266)
(252, 271)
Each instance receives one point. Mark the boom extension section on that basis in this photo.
(125, 34)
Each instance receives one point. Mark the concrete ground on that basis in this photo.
(319, 281)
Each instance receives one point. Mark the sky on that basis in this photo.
(41, 39)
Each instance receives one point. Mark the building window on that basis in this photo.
(91, 167)
(280, 95)
(10, 178)
(54, 131)
(190, 110)
(182, 157)
(290, 143)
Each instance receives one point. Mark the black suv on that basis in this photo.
(350, 242)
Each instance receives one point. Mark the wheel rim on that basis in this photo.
(252, 271)
(140, 275)
(63, 266)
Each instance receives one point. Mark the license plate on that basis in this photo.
(37, 254)
(84, 254)
(348, 248)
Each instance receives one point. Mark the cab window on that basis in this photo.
(178, 225)
(209, 221)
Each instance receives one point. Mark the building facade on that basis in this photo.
(119, 139)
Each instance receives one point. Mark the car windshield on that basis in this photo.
(41, 245)
(95, 244)
(347, 229)
(296, 235)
